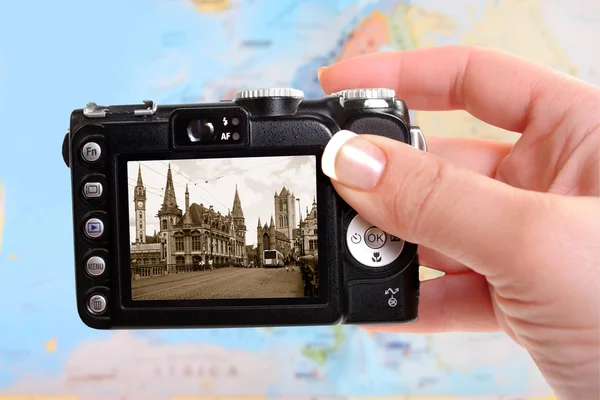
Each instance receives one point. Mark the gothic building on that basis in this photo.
(187, 237)
(284, 233)
(308, 239)
(285, 212)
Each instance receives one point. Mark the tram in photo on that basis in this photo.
(272, 259)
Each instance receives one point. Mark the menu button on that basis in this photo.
(95, 266)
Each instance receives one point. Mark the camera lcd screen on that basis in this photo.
(231, 228)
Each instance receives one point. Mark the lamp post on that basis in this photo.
(210, 235)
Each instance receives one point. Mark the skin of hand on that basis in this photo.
(515, 226)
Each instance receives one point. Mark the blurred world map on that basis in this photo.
(56, 56)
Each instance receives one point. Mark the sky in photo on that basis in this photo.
(213, 182)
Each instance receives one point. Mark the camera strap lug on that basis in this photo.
(148, 111)
(92, 110)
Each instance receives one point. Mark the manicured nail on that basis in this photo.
(353, 161)
(319, 72)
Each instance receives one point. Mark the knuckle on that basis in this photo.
(416, 196)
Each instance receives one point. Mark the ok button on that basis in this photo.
(375, 238)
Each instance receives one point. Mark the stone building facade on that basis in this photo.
(308, 239)
(281, 232)
(197, 235)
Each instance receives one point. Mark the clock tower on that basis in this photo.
(139, 199)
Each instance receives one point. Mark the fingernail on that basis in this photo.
(319, 72)
(353, 161)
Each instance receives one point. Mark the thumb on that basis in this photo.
(424, 199)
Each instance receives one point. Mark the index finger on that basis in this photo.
(496, 87)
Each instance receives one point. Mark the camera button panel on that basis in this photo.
(371, 246)
(96, 304)
(91, 152)
(93, 228)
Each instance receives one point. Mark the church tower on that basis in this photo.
(187, 198)
(285, 213)
(139, 199)
(168, 216)
(239, 221)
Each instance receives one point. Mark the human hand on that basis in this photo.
(516, 228)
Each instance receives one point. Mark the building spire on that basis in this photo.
(259, 226)
(187, 198)
(139, 181)
(272, 224)
(170, 200)
(237, 205)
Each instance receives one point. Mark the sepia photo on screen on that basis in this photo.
(233, 228)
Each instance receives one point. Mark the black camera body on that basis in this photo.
(147, 258)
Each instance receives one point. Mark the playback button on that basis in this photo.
(93, 228)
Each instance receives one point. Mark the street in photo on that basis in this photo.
(223, 228)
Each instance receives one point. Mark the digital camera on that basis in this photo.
(218, 215)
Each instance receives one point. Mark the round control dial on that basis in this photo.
(367, 94)
(269, 93)
(371, 246)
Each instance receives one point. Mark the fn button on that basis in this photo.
(91, 152)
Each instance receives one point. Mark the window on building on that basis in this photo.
(178, 243)
(196, 243)
(164, 224)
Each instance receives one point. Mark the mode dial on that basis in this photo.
(366, 98)
(367, 93)
(270, 101)
(269, 93)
